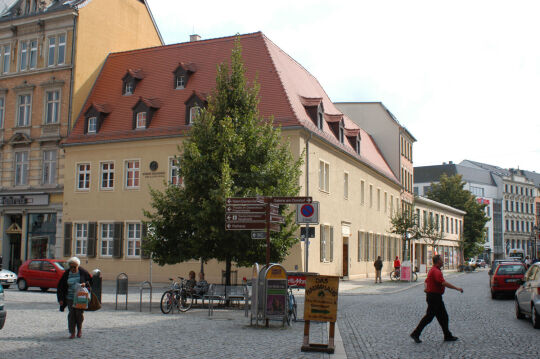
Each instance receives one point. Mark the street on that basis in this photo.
(373, 321)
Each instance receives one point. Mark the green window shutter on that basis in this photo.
(118, 239)
(91, 242)
(144, 232)
(331, 244)
(322, 242)
(68, 226)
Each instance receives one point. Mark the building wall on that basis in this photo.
(104, 26)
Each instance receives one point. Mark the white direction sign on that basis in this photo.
(307, 213)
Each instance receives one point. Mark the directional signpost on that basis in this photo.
(258, 213)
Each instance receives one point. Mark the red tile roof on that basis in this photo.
(286, 88)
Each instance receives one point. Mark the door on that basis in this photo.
(345, 258)
(14, 252)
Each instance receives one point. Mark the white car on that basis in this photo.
(7, 278)
(527, 300)
(2, 311)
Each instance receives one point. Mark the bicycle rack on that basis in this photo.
(145, 285)
(121, 288)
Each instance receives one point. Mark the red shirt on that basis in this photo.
(434, 281)
(397, 263)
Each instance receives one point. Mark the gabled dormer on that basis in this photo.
(353, 136)
(337, 125)
(194, 104)
(143, 111)
(130, 81)
(315, 110)
(94, 116)
(182, 74)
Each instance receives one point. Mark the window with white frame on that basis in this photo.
(324, 176)
(92, 125)
(2, 110)
(133, 239)
(193, 113)
(132, 174)
(378, 199)
(57, 50)
(346, 185)
(21, 168)
(180, 81)
(141, 119)
(128, 88)
(5, 52)
(23, 55)
(81, 238)
(83, 176)
(392, 204)
(107, 234)
(326, 243)
(174, 172)
(362, 193)
(24, 108)
(370, 196)
(385, 202)
(49, 167)
(52, 106)
(107, 175)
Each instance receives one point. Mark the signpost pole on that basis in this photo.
(267, 234)
(306, 244)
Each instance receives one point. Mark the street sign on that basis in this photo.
(251, 208)
(245, 226)
(258, 235)
(275, 227)
(244, 200)
(303, 232)
(290, 200)
(276, 218)
(307, 213)
(245, 217)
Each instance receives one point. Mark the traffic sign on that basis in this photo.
(245, 217)
(290, 200)
(307, 213)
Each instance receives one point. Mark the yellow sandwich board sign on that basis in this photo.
(321, 298)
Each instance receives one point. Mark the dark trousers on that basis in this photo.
(75, 317)
(436, 309)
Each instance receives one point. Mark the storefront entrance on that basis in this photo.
(14, 235)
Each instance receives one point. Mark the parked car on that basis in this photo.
(528, 296)
(2, 310)
(42, 273)
(496, 262)
(7, 278)
(507, 278)
(481, 263)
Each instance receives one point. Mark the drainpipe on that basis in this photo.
(72, 80)
(306, 239)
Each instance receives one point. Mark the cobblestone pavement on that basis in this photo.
(378, 326)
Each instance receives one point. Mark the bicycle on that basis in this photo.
(291, 307)
(396, 275)
(177, 295)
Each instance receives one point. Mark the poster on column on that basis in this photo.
(406, 271)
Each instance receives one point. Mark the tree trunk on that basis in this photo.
(228, 271)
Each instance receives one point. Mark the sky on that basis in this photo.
(462, 76)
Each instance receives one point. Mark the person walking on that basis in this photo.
(378, 264)
(397, 265)
(67, 287)
(434, 288)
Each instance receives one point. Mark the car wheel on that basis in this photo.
(21, 284)
(43, 289)
(493, 295)
(519, 315)
(6, 286)
(535, 317)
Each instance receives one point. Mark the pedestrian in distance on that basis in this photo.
(378, 264)
(70, 281)
(397, 264)
(434, 287)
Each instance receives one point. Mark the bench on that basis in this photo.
(216, 292)
(222, 294)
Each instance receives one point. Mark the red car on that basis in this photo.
(507, 278)
(42, 273)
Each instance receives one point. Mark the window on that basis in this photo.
(49, 167)
(23, 110)
(107, 234)
(21, 168)
(2, 111)
(61, 49)
(370, 196)
(132, 174)
(81, 238)
(357, 145)
(6, 58)
(320, 119)
(385, 202)
(33, 54)
(341, 132)
(324, 176)
(128, 88)
(134, 240)
(107, 175)
(360, 245)
(378, 199)
(327, 243)
(141, 120)
(174, 172)
(180, 81)
(193, 113)
(57, 50)
(362, 195)
(23, 56)
(392, 204)
(92, 124)
(52, 106)
(83, 176)
(346, 185)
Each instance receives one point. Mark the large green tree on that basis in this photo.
(231, 152)
(451, 191)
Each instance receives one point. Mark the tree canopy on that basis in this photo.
(231, 152)
(451, 191)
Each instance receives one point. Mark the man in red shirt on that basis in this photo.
(434, 288)
(397, 264)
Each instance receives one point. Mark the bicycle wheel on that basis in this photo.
(185, 301)
(293, 301)
(414, 277)
(167, 300)
(393, 275)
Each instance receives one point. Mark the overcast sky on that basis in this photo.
(462, 76)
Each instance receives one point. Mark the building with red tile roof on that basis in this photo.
(139, 111)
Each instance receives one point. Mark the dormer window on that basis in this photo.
(320, 118)
(341, 131)
(314, 109)
(182, 74)
(193, 113)
(353, 135)
(128, 88)
(357, 144)
(141, 120)
(143, 112)
(193, 106)
(130, 81)
(92, 125)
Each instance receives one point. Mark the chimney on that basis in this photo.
(194, 37)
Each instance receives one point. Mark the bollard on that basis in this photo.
(141, 288)
(121, 288)
(96, 283)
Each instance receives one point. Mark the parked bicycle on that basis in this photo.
(396, 275)
(291, 307)
(177, 295)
